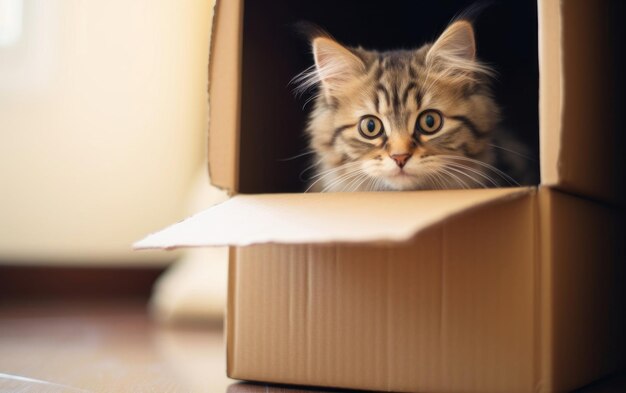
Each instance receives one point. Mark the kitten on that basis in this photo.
(405, 119)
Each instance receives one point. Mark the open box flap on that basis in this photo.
(224, 94)
(550, 94)
(322, 218)
(577, 135)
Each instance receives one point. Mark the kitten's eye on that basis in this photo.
(429, 122)
(370, 127)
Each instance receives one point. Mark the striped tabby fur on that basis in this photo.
(396, 88)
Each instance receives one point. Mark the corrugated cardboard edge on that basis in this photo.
(550, 89)
(224, 94)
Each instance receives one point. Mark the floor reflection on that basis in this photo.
(612, 384)
(249, 387)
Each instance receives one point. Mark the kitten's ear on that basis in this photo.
(456, 42)
(335, 65)
(454, 52)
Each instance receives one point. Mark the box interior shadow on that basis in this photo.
(272, 117)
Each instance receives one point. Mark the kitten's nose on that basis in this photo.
(400, 159)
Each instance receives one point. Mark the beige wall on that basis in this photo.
(102, 121)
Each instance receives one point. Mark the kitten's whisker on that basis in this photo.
(333, 176)
(305, 80)
(490, 167)
(353, 180)
(338, 168)
(430, 183)
(313, 97)
(340, 185)
(330, 173)
(496, 171)
(370, 183)
(365, 178)
(479, 173)
(431, 175)
(529, 158)
(460, 181)
(381, 185)
(341, 179)
(435, 181)
(308, 169)
(438, 179)
(348, 186)
(373, 185)
(441, 180)
(376, 186)
(318, 180)
(306, 153)
(346, 180)
(452, 168)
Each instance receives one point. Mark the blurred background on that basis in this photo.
(103, 114)
(103, 121)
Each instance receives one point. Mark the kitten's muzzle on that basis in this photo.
(400, 159)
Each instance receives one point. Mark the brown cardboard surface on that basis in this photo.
(580, 321)
(472, 304)
(550, 86)
(588, 134)
(322, 218)
(224, 97)
(576, 84)
(450, 311)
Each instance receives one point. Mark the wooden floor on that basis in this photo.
(103, 347)
(115, 347)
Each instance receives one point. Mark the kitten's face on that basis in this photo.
(402, 120)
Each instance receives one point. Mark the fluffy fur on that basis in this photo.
(397, 87)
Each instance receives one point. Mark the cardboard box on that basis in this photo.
(500, 290)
